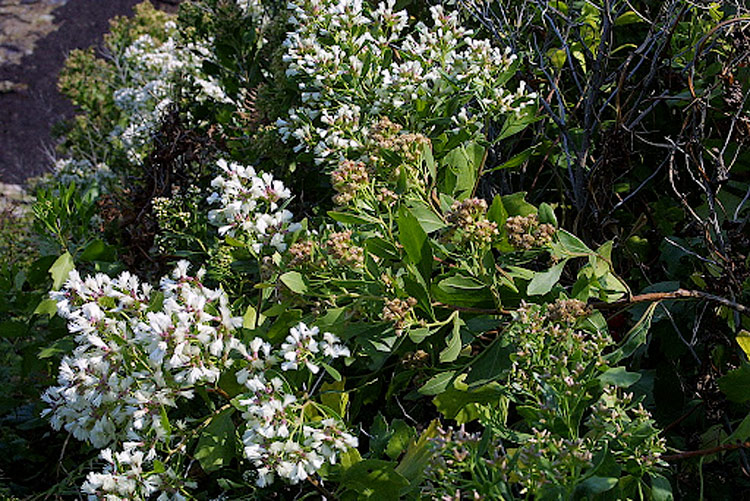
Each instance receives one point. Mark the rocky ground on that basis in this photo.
(35, 37)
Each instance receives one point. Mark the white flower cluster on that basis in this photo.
(137, 353)
(251, 206)
(124, 478)
(151, 69)
(253, 8)
(342, 54)
(141, 351)
(280, 439)
(82, 173)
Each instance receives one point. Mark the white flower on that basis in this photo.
(251, 206)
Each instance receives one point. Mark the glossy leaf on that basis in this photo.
(543, 282)
(415, 242)
(216, 446)
(60, 270)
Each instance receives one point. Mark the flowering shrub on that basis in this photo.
(370, 319)
(140, 352)
(354, 64)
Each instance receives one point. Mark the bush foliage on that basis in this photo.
(352, 249)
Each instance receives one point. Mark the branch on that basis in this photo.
(706, 452)
(678, 294)
(319, 487)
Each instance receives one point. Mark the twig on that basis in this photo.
(219, 391)
(319, 487)
(705, 452)
(678, 294)
(681, 418)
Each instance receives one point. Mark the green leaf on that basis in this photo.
(427, 217)
(596, 485)
(635, 337)
(415, 242)
(741, 432)
(418, 455)
(401, 437)
(332, 395)
(462, 290)
(516, 205)
(294, 281)
(547, 214)
(96, 251)
(497, 213)
(228, 382)
(347, 218)
(514, 124)
(366, 62)
(233, 241)
(437, 384)
(661, 490)
(429, 161)
(60, 347)
(217, 444)
(382, 248)
(250, 318)
(165, 424)
(60, 270)
(628, 17)
(736, 384)
(557, 57)
(458, 402)
(490, 365)
(10, 329)
(571, 244)
(374, 479)
(350, 458)
(46, 307)
(450, 353)
(419, 334)
(743, 339)
(543, 282)
(515, 160)
(157, 302)
(465, 164)
(336, 375)
(280, 328)
(620, 377)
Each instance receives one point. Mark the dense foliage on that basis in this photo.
(352, 249)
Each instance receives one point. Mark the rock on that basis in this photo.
(22, 23)
(8, 86)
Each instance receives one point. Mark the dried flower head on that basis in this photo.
(567, 310)
(415, 360)
(341, 248)
(349, 178)
(398, 311)
(525, 232)
(301, 253)
(385, 135)
(469, 216)
(386, 196)
(383, 131)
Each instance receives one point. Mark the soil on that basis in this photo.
(35, 37)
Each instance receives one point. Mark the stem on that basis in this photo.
(219, 391)
(678, 294)
(319, 487)
(706, 452)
